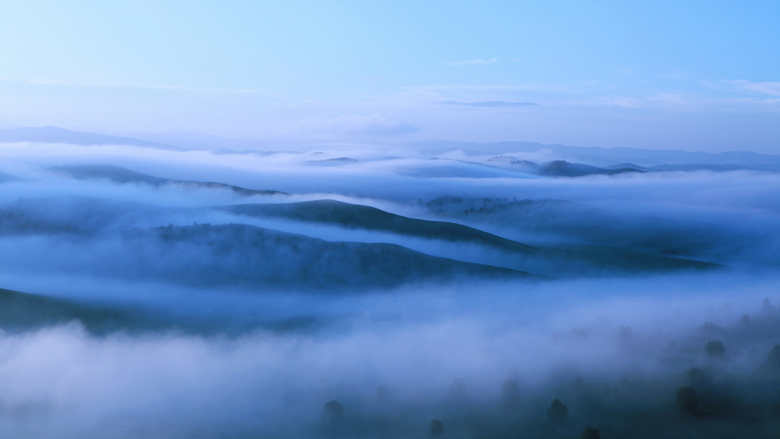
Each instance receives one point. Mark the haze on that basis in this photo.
(395, 220)
(699, 76)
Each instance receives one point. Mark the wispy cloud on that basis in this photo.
(461, 88)
(355, 125)
(488, 103)
(474, 61)
(679, 102)
(616, 101)
(96, 84)
(770, 88)
(672, 99)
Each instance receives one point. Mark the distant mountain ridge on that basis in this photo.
(562, 168)
(51, 134)
(662, 159)
(598, 156)
(119, 174)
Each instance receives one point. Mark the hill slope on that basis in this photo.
(357, 216)
(599, 156)
(50, 134)
(122, 175)
(247, 256)
(23, 311)
(553, 259)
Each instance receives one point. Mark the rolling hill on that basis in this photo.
(546, 260)
(51, 134)
(598, 156)
(23, 311)
(122, 175)
(247, 256)
(357, 216)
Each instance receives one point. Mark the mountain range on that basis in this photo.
(608, 158)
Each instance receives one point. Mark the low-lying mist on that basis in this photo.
(486, 359)
(393, 294)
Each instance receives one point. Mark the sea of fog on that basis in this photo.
(484, 356)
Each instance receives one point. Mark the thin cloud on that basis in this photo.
(770, 88)
(473, 61)
(461, 88)
(94, 84)
(357, 124)
(489, 103)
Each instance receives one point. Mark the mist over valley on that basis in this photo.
(181, 292)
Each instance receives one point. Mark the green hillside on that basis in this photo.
(355, 216)
(122, 175)
(548, 260)
(23, 311)
(248, 256)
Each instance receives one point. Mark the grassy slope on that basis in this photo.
(356, 216)
(23, 311)
(248, 256)
(369, 218)
(123, 175)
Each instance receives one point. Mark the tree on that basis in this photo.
(382, 393)
(510, 393)
(767, 307)
(774, 356)
(715, 349)
(458, 390)
(591, 433)
(437, 428)
(333, 409)
(698, 378)
(558, 412)
(687, 400)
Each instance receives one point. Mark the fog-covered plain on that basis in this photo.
(469, 291)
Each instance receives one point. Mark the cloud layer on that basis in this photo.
(210, 356)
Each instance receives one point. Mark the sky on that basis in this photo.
(696, 75)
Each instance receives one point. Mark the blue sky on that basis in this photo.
(652, 74)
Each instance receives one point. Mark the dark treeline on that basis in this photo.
(654, 231)
(164, 309)
(726, 387)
